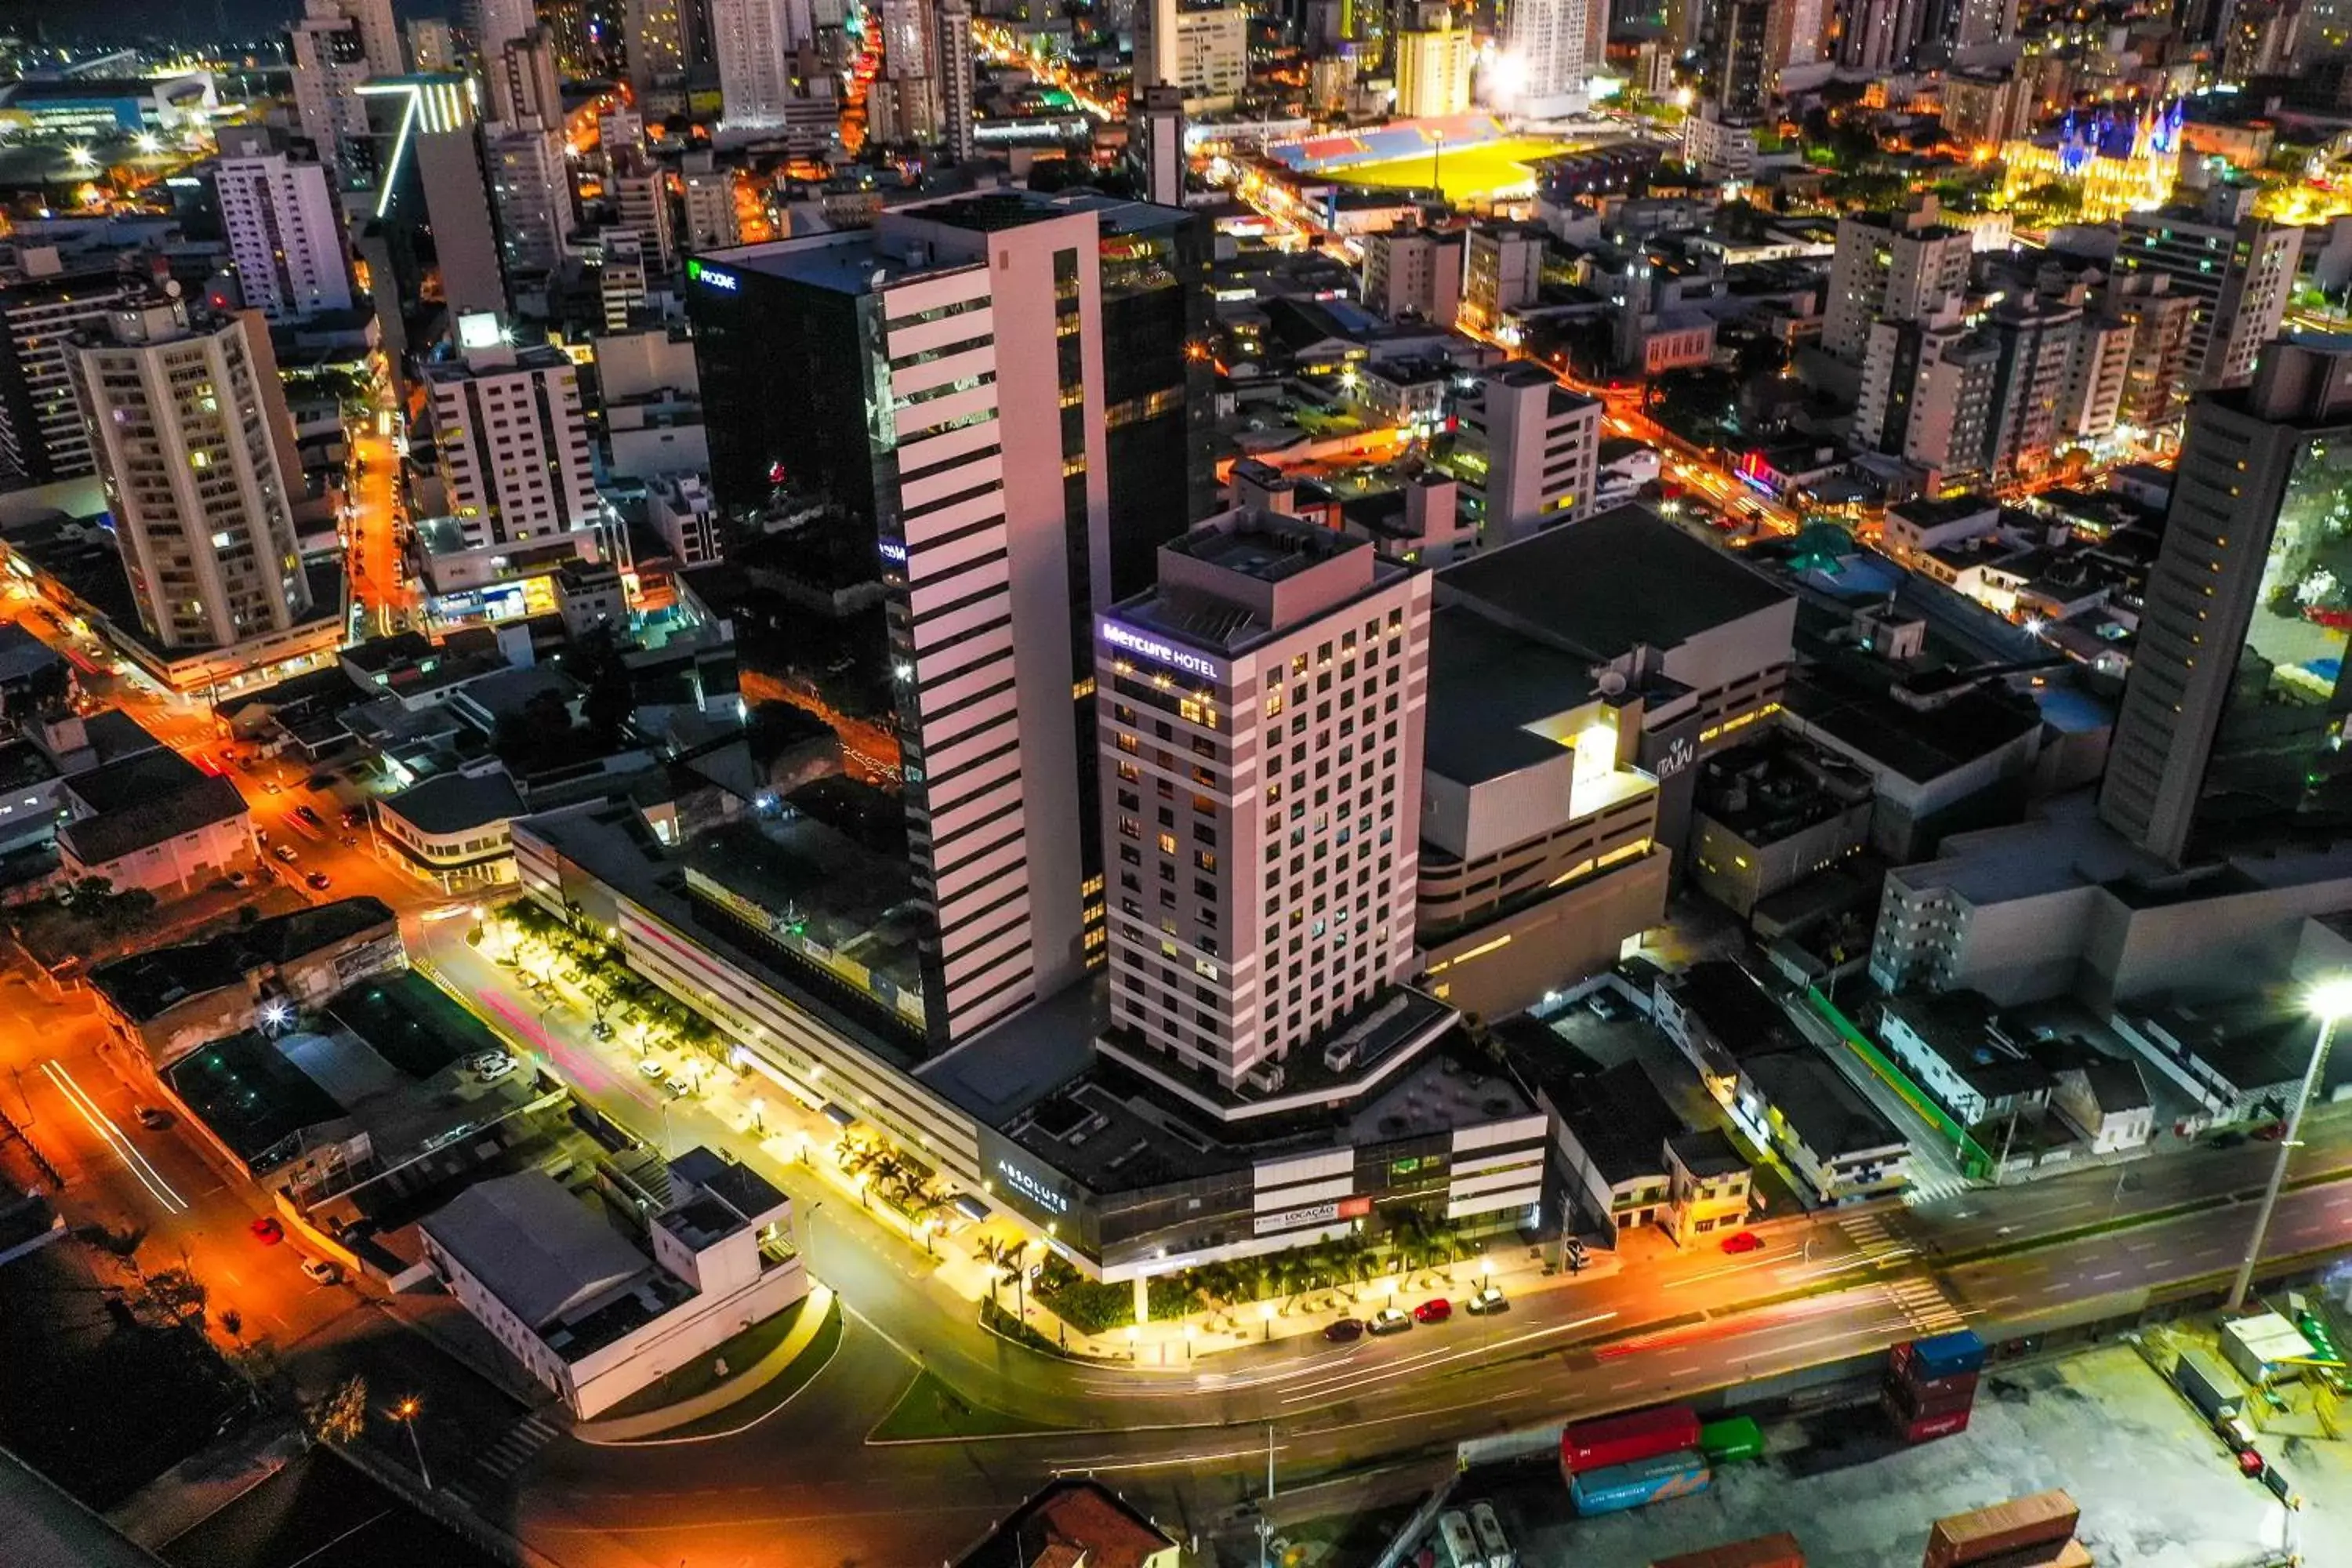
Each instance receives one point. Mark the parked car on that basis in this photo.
(1605, 1005)
(239, 879)
(2271, 1131)
(677, 1088)
(310, 816)
(1390, 1321)
(1436, 1309)
(600, 1029)
(268, 1231)
(652, 1071)
(318, 881)
(271, 786)
(355, 816)
(1344, 1331)
(285, 852)
(153, 1118)
(1743, 1241)
(492, 1065)
(1489, 1299)
(323, 1271)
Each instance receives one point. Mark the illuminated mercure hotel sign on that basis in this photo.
(1160, 652)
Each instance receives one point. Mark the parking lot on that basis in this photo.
(2156, 1489)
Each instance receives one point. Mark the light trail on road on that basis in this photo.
(1412, 1365)
(112, 1137)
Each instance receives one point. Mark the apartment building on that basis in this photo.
(1899, 265)
(43, 437)
(1527, 453)
(284, 235)
(510, 439)
(1413, 273)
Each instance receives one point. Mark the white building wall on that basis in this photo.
(284, 235)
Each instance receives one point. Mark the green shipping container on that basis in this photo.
(1731, 1441)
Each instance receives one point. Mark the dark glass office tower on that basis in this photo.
(2231, 732)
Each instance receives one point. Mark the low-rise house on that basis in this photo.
(2240, 1061)
(154, 821)
(2105, 1100)
(1952, 1043)
(1075, 1524)
(168, 1001)
(597, 1306)
(1709, 1186)
(1718, 1015)
(1611, 1129)
(1841, 1146)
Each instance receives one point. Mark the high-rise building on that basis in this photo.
(525, 83)
(1260, 719)
(580, 53)
(1414, 272)
(285, 234)
(1159, 133)
(1502, 271)
(43, 436)
(753, 42)
(934, 387)
(433, 195)
(1897, 266)
(710, 222)
(193, 439)
(909, 106)
(1879, 36)
(1743, 70)
(433, 45)
(2239, 268)
(2156, 386)
(659, 39)
(379, 34)
(623, 282)
(1926, 394)
(491, 25)
(510, 439)
(331, 62)
(2034, 340)
(1527, 453)
(1432, 69)
(640, 199)
(1551, 51)
(2098, 371)
(1210, 55)
(530, 189)
(2232, 727)
(958, 108)
(1964, 25)
(1154, 54)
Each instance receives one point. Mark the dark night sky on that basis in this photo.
(131, 20)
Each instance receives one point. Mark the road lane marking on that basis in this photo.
(1412, 1365)
(112, 1136)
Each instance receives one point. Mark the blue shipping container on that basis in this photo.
(1643, 1481)
(1947, 1355)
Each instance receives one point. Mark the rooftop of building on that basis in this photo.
(1072, 1523)
(1936, 511)
(846, 261)
(452, 803)
(1619, 1119)
(1819, 1105)
(541, 1251)
(2256, 1041)
(1707, 1153)
(1266, 546)
(733, 1197)
(1768, 789)
(1964, 1030)
(1846, 700)
(1579, 586)
(24, 764)
(145, 986)
(152, 805)
(1486, 684)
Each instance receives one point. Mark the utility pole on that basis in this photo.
(2311, 1075)
(1264, 1516)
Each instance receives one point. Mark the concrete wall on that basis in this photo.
(1505, 965)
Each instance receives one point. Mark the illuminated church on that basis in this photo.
(2115, 164)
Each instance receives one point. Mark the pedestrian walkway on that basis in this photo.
(518, 1446)
(1925, 1305)
(1934, 1185)
(1875, 1241)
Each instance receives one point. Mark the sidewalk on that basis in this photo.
(815, 1308)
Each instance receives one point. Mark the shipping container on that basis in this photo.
(1765, 1552)
(1621, 1439)
(1910, 1404)
(1927, 1429)
(1639, 1483)
(1491, 1539)
(1963, 1385)
(2207, 1386)
(2045, 1519)
(1457, 1548)
(1941, 1355)
(2061, 1555)
(1730, 1440)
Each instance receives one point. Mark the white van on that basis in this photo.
(1458, 1548)
(1491, 1539)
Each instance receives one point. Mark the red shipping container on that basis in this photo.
(1913, 1404)
(2045, 1520)
(1623, 1439)
(1929, 1428)
(1941, 1387)
(1764, 1551)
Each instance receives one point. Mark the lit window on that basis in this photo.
(1167, 844)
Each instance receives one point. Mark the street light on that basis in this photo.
(1189, 1329)
(1266, 1316)
(759, 1114)
(406, 1412)
(2329, 1001)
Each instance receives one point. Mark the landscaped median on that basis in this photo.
(776, 1360)
(931, 1412)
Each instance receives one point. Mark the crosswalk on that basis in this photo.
(1872, 1238)
(1924, 1305)
(1926, 1187)
(494, 1465)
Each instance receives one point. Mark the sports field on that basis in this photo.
(1478, 173)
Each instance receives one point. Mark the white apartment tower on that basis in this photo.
(1895, 266)
(1530, 452)
(531, 187)
(641, 204)
(494, 24)
(525, 81)
(284, 235)
(43, 436)
(193, 439)
(1414, 272)
(1502, 271)
(753, 42)
(710, 221)
(2239, 268)
(331, 63)
(1211, 56)
(1551, 50)
(379, 34)
(511, 441)
(1260, 720)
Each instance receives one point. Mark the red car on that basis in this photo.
(268, 1231)
(1436, 1309)
(2271, 1131)
(1743, 1241)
